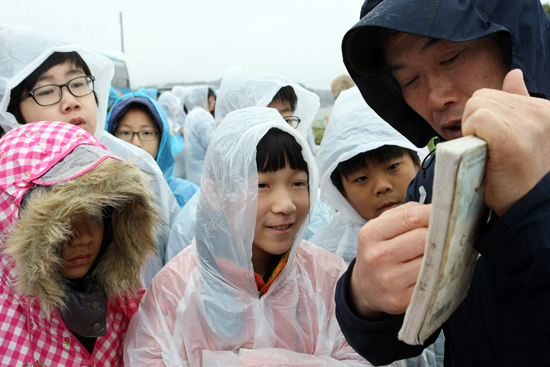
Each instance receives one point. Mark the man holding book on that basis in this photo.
(448, 68)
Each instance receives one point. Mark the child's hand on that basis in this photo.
(516, 128)
(389, 255)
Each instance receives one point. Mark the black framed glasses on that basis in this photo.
(50, 94)
(143, 135)
(293, 121)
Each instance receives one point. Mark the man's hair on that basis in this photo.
(273, 150)
(287, 94)
(376, 156)
(26, 85)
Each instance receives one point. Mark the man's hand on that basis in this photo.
(389, 255)
(517, 130)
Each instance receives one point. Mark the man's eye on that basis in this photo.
(451, 60)
(299, 183)
(409, 83)
(361, 179)
(262, 185)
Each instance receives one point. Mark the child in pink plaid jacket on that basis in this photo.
(77, 225)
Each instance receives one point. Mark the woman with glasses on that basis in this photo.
(46, 79)
(141, 121)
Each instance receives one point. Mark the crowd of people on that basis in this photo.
(204, 226)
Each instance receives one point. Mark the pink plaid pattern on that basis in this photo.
(28, 152)
(27, 338)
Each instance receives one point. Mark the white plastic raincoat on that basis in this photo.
(248, 88)
(353, 128)
(203, 308)
(197, 132)
(23, 50)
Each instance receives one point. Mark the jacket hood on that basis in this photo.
(248, 88)
(44, 223)
(165, 156)
(227, 207)
(23, 50)
(521, 28)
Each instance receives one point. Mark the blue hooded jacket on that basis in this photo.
(504, 320)
(183, 190)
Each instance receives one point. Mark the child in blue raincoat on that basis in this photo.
(141, 121)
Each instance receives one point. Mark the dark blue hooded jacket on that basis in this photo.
(183, 190)
(505, 319)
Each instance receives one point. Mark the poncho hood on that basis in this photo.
(226, 214)
(354, 128)
(515, 24)
(248, 88)
(165, 156)
(23, 50)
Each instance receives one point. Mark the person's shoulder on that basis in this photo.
(176, 271)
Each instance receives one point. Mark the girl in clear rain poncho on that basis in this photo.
(248, 291)
(77, 225)
(29, 60)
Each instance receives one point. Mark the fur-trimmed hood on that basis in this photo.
(33, 238)
(45, 223)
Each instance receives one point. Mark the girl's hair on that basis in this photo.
(26, 85)
(275, 148)
(376, 156)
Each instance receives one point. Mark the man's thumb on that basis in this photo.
(513, 83)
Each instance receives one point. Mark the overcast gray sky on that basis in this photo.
(194, 40)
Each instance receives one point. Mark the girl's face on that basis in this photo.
(135, 121)
(80, 111)
(80, 252)
(283, 203)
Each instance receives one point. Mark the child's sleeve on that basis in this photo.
(149, 340)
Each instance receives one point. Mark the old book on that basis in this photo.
(458, 214)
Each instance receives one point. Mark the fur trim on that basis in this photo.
(45, 222)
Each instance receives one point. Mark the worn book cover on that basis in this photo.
(458, 213)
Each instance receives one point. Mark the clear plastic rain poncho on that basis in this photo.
(179, 91)
(22, 50)
(353, 128)
(203, 308)
(172, 106)
(248, 88)
(197, 132)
